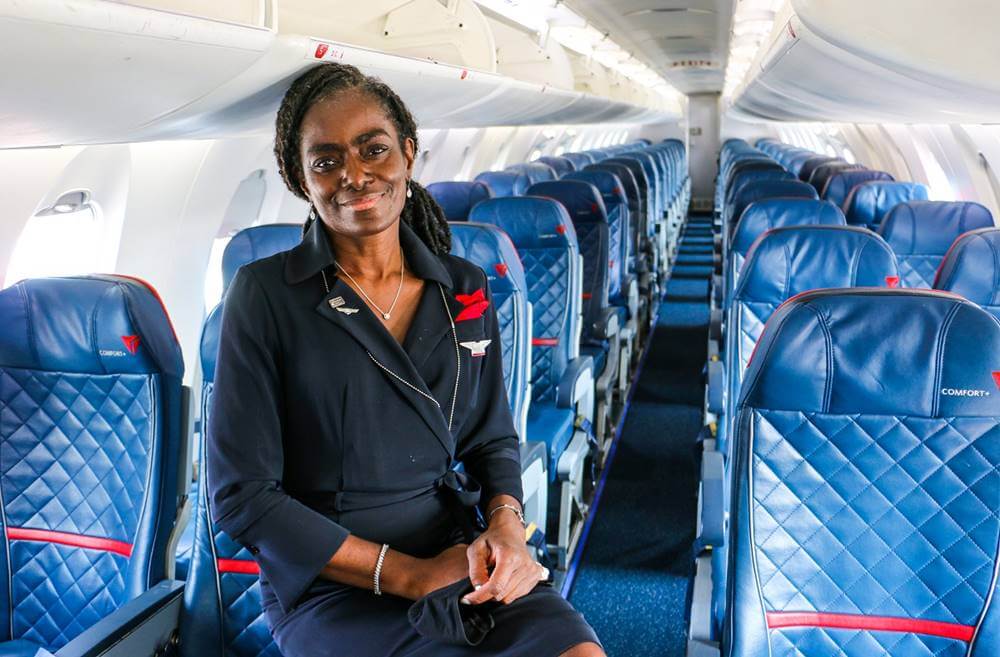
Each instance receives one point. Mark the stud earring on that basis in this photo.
(409, 190)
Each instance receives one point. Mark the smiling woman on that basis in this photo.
(367, 536)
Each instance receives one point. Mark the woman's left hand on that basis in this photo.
(514, 572)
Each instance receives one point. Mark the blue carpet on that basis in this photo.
(633, 579)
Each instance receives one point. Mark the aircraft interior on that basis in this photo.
(744, 261)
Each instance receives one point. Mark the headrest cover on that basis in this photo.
(535, 171)
(490, 248)
(255, 243)
(504, 183)
(930, 227)
(456, 198)
(972, 267)
(762, 216)
(839, 186)
(582, 200)
(869, 202)
(98, 324)
(920, 353)
(788, 261)
(530, 221)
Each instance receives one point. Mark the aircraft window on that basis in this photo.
(938, 185)
(535, 154)
(559, 151)
(64, 239)
(213, 276)
(848, 155)
(829, 150)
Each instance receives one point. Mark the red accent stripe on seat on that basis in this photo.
(779, 619)
(240, 566)
(73, 540)
(544, 342)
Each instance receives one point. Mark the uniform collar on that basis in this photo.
(315, 253)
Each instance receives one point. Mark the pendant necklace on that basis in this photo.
(386, 314)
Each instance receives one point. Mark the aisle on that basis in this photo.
(632, 582)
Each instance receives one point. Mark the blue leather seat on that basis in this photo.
(785, 262)
(504, 183)
(840, 184)
(864, 518)
(579, 160)
(920, 233)
(972, 268)
(92, 433)
(456, 198)
(745, 177)
(821, 175)
(536, 172)
(245, 246)
(222, 608)
(758, 191)
(869, 203)
(813, 163)
(561, 165)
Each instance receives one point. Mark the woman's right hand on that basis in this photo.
(448, 567)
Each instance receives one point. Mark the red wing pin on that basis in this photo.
(131, 343)
(475, 305)
(477, 348)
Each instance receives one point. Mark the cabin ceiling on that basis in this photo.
(685, 41)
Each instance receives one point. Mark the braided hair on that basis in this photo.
(420, 212)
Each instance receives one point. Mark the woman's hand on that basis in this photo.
(502, 548)
(437, 572)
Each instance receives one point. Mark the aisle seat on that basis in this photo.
(971, 268)
(864, 519)
(94, 428)
(456, 198)
(920, 232)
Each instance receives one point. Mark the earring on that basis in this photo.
(409, 190)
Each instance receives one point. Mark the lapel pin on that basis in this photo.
(337, 302)
(477, 348)
(347, 311)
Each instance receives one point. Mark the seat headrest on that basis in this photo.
(607, 183)
(97, 324)
(581, 199)
(787, 261)
(972, 267)
(535, 171)
(531, 222)
(762, 216)
(757, 190)
(490, 248)
(456, 198)
(624, 175)
(930, 227)
(257, 242)
(813, 163)
(579, 160)
(840, 184)
(560, 165)
(918, 353)
(869, 203)
(504, 183)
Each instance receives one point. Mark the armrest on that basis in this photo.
(142, 626)
(606, 326)
(713, 509)
(577, 381)
(717, 290)
(715, 324)
(716, 385)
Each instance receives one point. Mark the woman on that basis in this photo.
(351, 378)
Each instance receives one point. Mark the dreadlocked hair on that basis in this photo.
(420, 211)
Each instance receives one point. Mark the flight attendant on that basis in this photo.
(354, 371)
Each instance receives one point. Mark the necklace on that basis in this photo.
(386, 314)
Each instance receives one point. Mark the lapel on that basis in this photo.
(431, 323)
(365, 328)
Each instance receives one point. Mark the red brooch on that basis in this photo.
(475, 305)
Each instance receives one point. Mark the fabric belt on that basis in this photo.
(461, 494)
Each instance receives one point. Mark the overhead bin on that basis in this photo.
(858, 61)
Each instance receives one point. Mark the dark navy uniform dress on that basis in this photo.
(323, 425)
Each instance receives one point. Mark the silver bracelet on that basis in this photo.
(520, 516)
(378, 569)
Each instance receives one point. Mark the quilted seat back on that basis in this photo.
(255, 243)
(586, 209)
(762, 216)
(456, 198)
(543, 235)
(491, 249)
(504, 183)
(91, 431)
(867, 491)
(869, 203)
(788, 261)
(921, 232)
(972, 269)
(619, 234)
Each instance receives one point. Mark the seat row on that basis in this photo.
(781, 245)
(96, 422)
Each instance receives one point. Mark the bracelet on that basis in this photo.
(378, 569)
(520, 516)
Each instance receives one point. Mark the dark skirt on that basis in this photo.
(350, 622)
